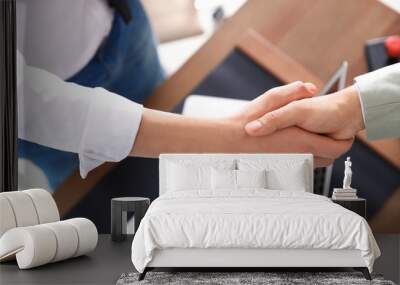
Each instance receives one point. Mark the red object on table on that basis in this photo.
(392, 44)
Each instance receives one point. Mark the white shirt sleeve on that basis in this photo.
(93, 122)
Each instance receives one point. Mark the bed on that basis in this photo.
(246, 211)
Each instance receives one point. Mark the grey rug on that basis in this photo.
(232, 278)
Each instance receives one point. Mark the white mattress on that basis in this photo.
(250, 219)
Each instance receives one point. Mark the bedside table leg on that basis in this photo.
(117, 223)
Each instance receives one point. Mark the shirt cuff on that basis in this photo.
(110, 131)
(380, 101)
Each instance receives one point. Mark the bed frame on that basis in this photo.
(260, 259)
(248, 259)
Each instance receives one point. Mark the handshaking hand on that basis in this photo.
(337, 115)
(162, 132)
(287, 136)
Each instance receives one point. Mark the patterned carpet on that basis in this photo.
(232, 278)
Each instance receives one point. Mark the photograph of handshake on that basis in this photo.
(371, 103)
(285, 119)
(327, 124)
(295, 107)
(336, 115)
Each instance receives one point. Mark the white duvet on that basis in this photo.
(250, 219)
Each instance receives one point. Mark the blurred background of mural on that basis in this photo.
(197, 41)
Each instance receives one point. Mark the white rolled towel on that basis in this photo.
(67, 240)
(40, 244)
(22, 207)
(7, 218)
(32, 246)
(87, 235)
(45, 205)
(26, 208)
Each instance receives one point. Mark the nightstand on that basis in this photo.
(119, 209)
(358, 206)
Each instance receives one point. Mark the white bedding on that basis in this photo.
(250, 219)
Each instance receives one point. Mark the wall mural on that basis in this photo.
(376, 179)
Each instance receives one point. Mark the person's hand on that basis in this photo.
(338, 115)
(162, 132)
(292, 139)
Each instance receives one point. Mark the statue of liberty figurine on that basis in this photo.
(348, 173)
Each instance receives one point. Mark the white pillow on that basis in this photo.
(181, 177)
(251, 178)
(292, 179)
(227, 179)
(188, 175)
(281, 174)
(223, 179)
